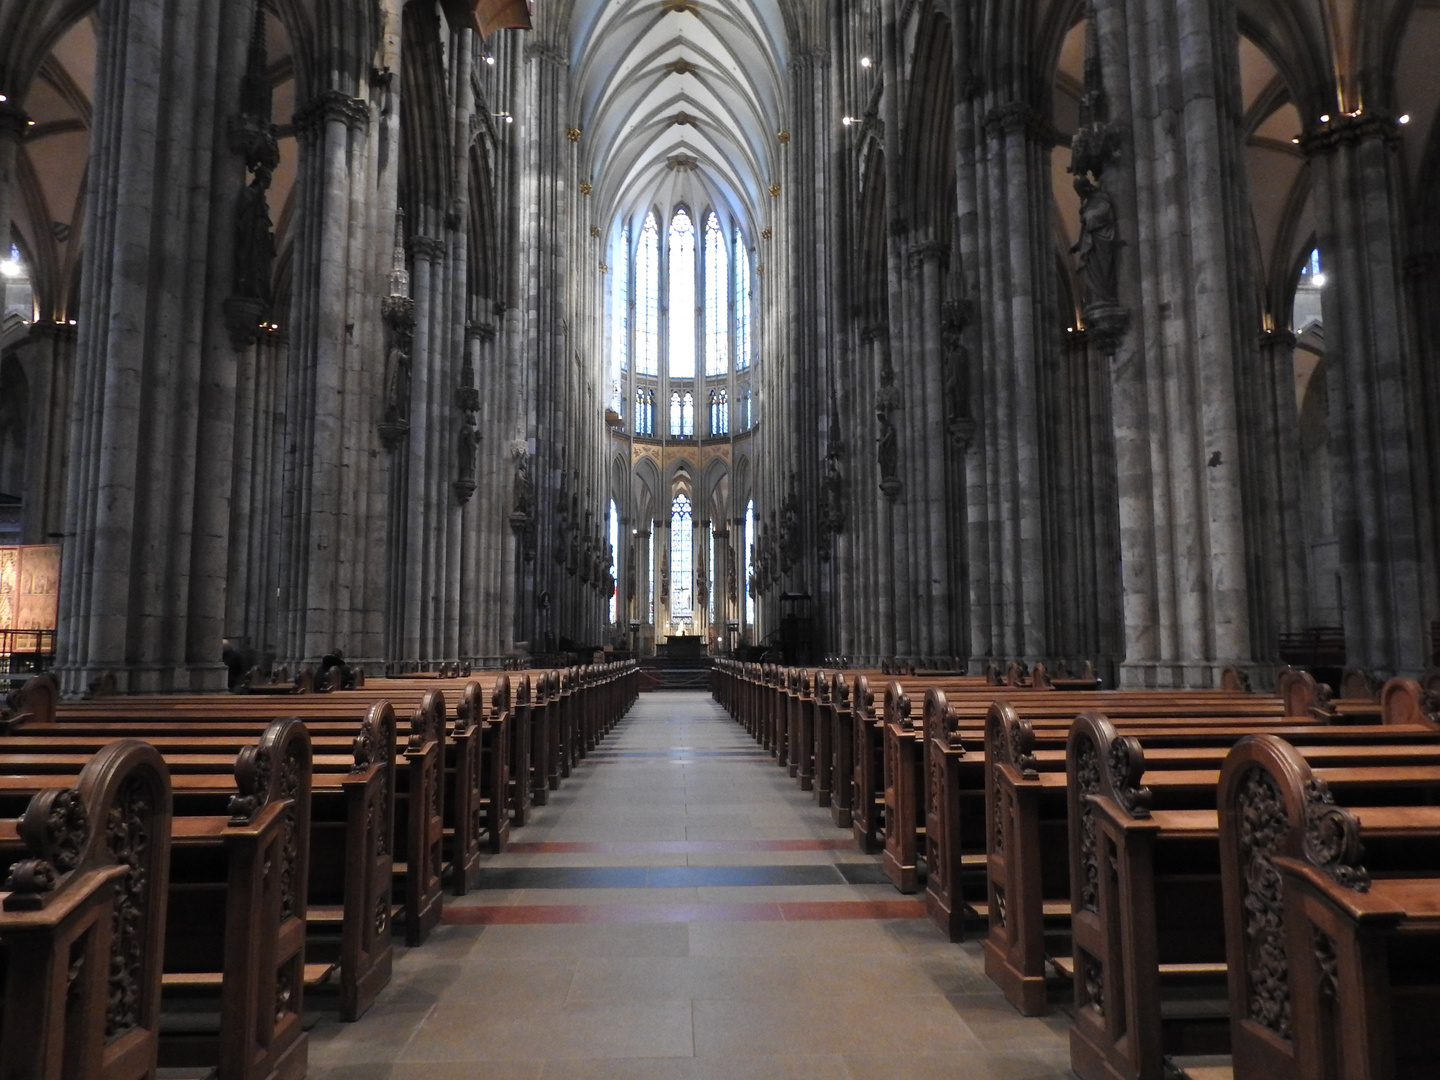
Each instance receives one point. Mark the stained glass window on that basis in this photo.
(614, 561)
(742, 303)
(749, 564)
(710, 566)
(647, 299)
(620, 318)
(682, 414)
(644, 412)
(717, 324)
(719, 412)
(682, 586)
(682, 296)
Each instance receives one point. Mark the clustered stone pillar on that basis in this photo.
(1384, 517)
(1006, 166)
(144, 571)
(1173, 243)
(334, 592)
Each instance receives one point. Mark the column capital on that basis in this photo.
(427, 247)
(332, 105)
(1330, 134)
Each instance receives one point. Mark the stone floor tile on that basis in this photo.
(846, 1025)
(497, 1031)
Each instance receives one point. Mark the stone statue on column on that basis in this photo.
(1094, 147)
(832, 497)
(1096, 250)
(522, 513)
(252, 136)
(468, 447)
(887, 439)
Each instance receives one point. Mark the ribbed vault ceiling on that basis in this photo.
(679, 101)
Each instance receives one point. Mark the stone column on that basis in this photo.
(1165, 235)
(339, 582)
(1383, 516)
(144, 576)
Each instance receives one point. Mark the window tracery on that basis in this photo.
(682, 587)
(717, 332)
(647, 299)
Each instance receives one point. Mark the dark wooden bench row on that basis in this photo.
(1248, 881)
(1027, 814)
(578, 706)
(365, 782)
(119, 884)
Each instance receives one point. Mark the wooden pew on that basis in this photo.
(234, 921)
(1146, 888)
(1331, 965)
(1025, 801)
(416, 777)
(351, 816)
(81, 1001)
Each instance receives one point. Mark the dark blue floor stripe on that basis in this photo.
(673, 877)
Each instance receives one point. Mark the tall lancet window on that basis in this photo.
(717, 284)
(682, 296)
(742, 303)
(644, 412)
(719, 412)
(682, 414)
(682, 585)
(620, 297)
(647, 299)
(749, 561)
(710, 566)
(614, 561)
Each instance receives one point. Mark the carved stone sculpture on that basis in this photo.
(1096, 250)
(832, 498)
(524, 487)
(467, 450)
(254, 239)
(887, 439)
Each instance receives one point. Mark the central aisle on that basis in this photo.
(682, 911)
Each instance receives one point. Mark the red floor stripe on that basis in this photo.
(672, 847)
(549, 914)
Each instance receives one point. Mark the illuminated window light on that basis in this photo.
(10, 268)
